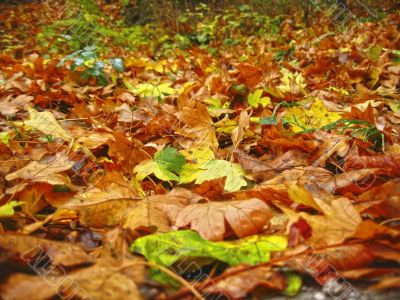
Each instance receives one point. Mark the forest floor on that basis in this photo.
(219, 156)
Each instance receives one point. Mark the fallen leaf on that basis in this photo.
(7, 209)
(47, 170)
(100, 281)
(392, 282)
(339, 221)
(248, 74)
(244, 218)
(173, 247)
(27, 248)
(214, 169)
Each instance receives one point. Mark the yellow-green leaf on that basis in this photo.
(151, 90)
(5, 138)
(7, 210)
(317, 116)
(255, 99)
(220, 168)
(46, 123)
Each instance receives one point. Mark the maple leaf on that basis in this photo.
(339, 221)
(166, 165)
(151, 90)
(216, 168)
(199, 126)
(256, 100)
(47, 123)
(292, 82)
(105, 205)
(248, 74)
(47, 170)
(315, 117)
(197, 158)
(244, 217)
(147, 215)
(169, 248)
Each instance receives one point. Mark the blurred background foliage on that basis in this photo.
(162, 26)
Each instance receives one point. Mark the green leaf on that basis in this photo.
(255, 99)
(7, 209)
(170, 159)
(374, 52)
(219, 168)
(271, 120)
(397, 58)
(118, 64)
(166, 165)
(5, 138)
(169, 248)
(294, 283)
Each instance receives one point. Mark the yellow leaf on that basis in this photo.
(292, 82)
(316, 117)
(300, 195)
(46, 122)
(226, 125)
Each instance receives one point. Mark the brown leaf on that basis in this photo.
(199, 126)
(368, 230)
(211, 189)
(244, 217)
(387, 283)
(239, 131)
(248, 74)
(47, 170)
(339, 221)
(390, 163)
(146, 215)
(159, 211)
(104, 205)
(355, 113)
(174, 201)
(28, 247)
(368, 273)
(100, 281)
(387, 197)
(237, 286)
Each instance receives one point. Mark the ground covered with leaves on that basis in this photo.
(235, 155)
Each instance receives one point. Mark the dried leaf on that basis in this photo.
(244, 217)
